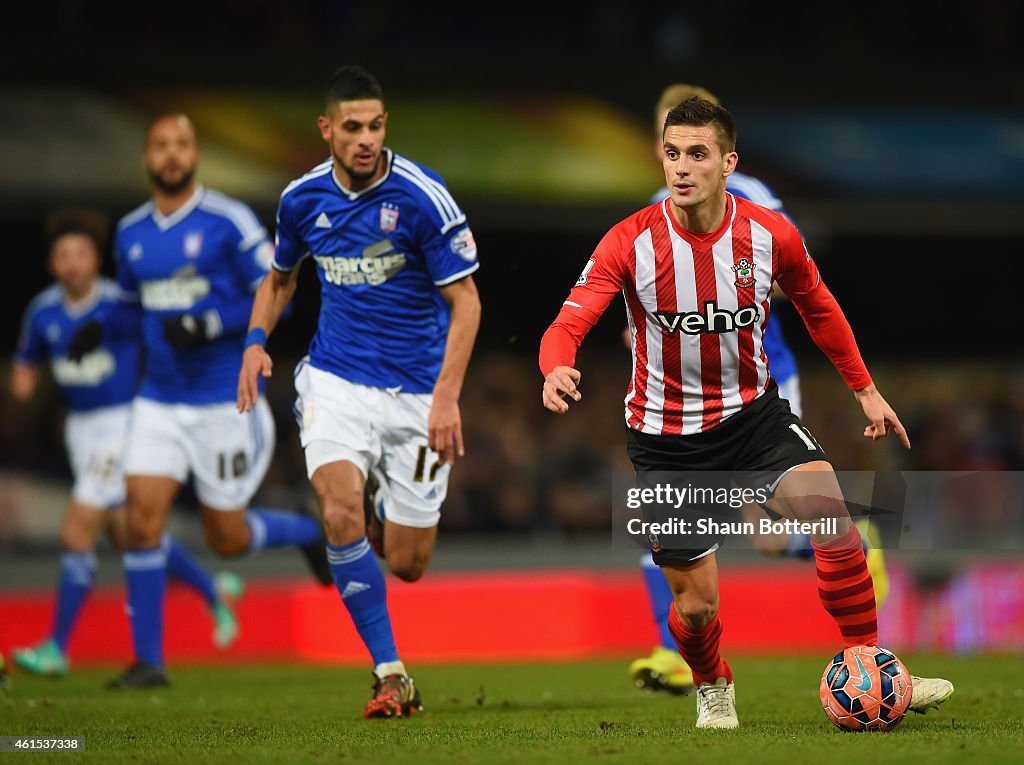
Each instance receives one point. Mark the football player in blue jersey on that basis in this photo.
(378, 395)
(192, 258)
(664, 668)
(98, 388)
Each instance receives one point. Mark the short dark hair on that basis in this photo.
(78, 220)
(699, 112)
(352, 83)
(673, 94)
(171, 115)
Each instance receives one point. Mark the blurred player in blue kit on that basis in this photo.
(191, 258)
(98, 388)
(664, 669)
(378, 395)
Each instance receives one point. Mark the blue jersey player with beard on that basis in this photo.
(98, 388)
(379, 391)
(191, 258)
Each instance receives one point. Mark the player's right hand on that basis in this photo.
(256, 363)
(559, 386)
(88, 338)
(189, 330)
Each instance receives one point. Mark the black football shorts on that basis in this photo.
(752, 449)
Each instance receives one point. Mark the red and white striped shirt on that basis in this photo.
(697, 305)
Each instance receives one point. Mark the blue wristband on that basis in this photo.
(256, 336)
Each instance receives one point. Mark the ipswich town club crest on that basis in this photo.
(744, 270)
(388, 217)
(193, 244)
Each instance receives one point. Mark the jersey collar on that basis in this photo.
(697, 238)
(83, 305)
(354, 195)
(164, 222)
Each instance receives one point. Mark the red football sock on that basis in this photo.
(845, 587)
(700, 648)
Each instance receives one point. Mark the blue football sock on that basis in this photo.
(77, 572)
(181, 564)
(279, 528)
(360, 582)
(146, 573)
(661, 599)
(799, 546)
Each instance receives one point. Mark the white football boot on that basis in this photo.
(716, 705)
(928, 692)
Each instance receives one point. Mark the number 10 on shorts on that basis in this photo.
(233, 466)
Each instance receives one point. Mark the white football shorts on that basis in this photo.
(380, 431)
(227, 453)
(95, 442)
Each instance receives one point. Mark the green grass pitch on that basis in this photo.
(564, 713)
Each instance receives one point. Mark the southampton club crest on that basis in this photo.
(388, 217)
(744, 270)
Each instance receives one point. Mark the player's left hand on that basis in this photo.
(256, 363)
(191, 329)
(88, 338)
(881, 416)
(444, 429)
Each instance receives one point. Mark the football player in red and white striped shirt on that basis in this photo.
(696, 272)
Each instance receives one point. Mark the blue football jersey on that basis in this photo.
(210, 254)
(381, 255)
(782, 363)
(106, 376)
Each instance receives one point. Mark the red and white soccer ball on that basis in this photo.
(865, 688)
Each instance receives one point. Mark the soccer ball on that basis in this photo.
(865, 688)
